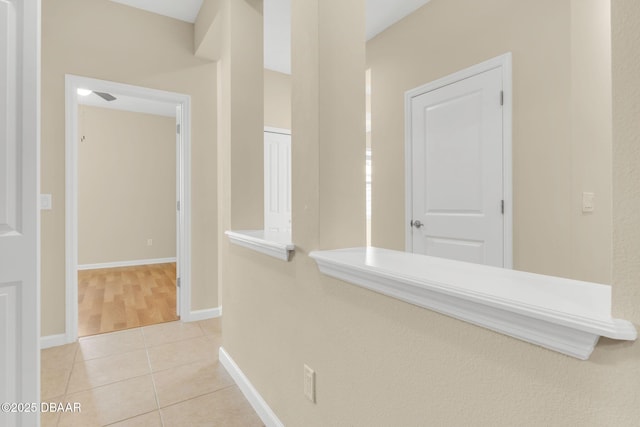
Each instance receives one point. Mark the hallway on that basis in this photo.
(161, 375)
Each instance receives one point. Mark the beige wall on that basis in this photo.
(591, 139)
(106, 40)
(277, 99)
(240, 139)
(381, 362)
(126, 186)
(561, 119)
(626, 162)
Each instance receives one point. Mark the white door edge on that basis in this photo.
(20, 71)
(277, 180)
(183, 251)
(504, 63)
(277, 130)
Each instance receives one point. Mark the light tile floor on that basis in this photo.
(163, 375)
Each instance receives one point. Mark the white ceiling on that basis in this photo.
(184, 10)
(381, 14)
(128, 103)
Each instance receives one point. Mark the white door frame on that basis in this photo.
(183, 250)
(504, 63)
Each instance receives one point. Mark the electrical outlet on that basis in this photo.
(309, 383)
(149, 242)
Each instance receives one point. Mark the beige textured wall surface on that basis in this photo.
(240, 128)
(379, 361)
(591, 140)
(109, 41)
(240, 140)
(126, 186)
(561, 119)
(626, 161)
(277, 99)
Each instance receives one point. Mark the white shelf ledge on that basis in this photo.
(567, 316)
(277, 245)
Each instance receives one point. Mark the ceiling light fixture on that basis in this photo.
(84, 92)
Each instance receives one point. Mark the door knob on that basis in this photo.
(416, 223)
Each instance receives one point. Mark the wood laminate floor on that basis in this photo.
(113, 299)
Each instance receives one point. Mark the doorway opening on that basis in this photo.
(128, 277)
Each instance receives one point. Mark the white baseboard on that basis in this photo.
(209, 313)
(125, 263)
(53, 341)
(263, 410)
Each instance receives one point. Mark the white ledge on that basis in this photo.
(567, 316)
(277, 245)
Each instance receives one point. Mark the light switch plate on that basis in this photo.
(45, 202)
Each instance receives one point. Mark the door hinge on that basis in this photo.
(178, 205)
(178, 282)
(178, 128)
(501, 97)
(502, 206)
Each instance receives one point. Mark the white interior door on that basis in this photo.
(457, 170)
(19, 224)
(277, 182)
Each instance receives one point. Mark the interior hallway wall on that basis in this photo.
(126, 186)
(380, 361)
(625, 16)
(109, 41)
(561, 119)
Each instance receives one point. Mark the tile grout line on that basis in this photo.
(153, 379)
(197, 397)
(110, 382)
(204, 334)
(127, 419)
(200, 395)
(150, 373)
(75, 356)
(178, 340)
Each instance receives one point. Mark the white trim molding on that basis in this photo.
(53, 341)
(261, 407)
(131, 263)
(502, 62)
(567, 316)
(196, 315)
(183, 176)
(277, 245)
